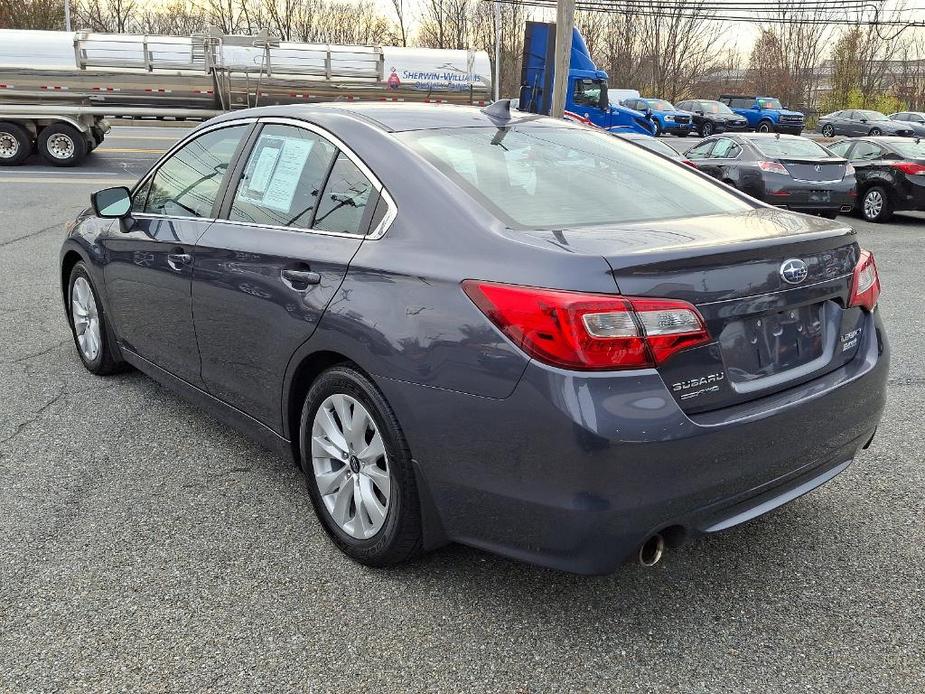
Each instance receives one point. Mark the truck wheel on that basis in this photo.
(764, 126)
(61, 144)
(15, 144)
(658, 127)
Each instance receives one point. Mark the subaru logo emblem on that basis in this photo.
(793, 271)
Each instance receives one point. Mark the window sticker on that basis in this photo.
(276, 173)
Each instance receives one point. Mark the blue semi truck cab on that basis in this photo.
(765, 114)
(586, 97)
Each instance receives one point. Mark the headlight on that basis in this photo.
(669, 118)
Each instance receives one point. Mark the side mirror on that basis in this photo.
(112, 203)
(699, 113)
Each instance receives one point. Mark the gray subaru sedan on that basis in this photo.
(475, 326)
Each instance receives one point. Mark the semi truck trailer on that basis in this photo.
(58, 89)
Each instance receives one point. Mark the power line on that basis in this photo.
(763, 12)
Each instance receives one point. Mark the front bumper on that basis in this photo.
(676, 128)
(574, 470)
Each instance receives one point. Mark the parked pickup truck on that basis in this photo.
(765, 114)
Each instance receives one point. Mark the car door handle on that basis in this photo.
(179, 261)
(300, 279)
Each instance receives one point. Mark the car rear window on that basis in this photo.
(656, 146)
(802, 147)
(549, 177)
(913, 149)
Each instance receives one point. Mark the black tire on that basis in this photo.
(874, 132)
(107, 360)
(886, 207)
(61, 144)
(764, 126)
(828, 130)
(400, 537)
(706, 129)
(658, 127)
(15, 144)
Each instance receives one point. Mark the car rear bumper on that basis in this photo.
(811, 195)
(574, 471)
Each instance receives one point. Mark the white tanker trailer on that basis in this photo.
(58, 88)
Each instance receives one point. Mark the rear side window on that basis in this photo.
(866, 151)
(548, 177)
(343, 205)
(725, 149)
(700, 151)
(282, 180)
(187, 183)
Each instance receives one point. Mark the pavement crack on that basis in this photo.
(19, 428)
(56, 225)
(40, 353)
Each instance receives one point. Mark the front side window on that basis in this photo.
(588, 92)
(774, 104)
(282, 180)
(547, 177)
(187, 183)
(343, 204)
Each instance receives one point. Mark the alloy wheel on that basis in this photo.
(873, 204)
(874, 132)
(9, 146)
(828, 131)
(86, 319)
(60, 146)
(350, 465)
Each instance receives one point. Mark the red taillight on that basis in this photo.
(689, 163)
(910, 168)
(865, 286)
(773, 167)
(589, 331)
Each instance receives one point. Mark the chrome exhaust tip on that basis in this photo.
(651, 551)
(846, 208)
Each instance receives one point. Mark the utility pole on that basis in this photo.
(497, 50)
(565, 20)
(67, 15)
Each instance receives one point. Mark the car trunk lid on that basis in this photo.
(815, 170)
(768, 333)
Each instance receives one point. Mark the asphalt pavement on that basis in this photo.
(146, 547)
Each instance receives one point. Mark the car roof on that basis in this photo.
(396, 117)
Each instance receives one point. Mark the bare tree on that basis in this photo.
(31, 14)
(399, 6)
